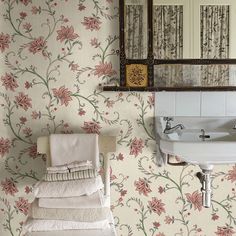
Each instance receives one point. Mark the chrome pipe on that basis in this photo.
(206, 188)
(205, 179)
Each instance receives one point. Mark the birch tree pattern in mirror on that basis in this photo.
(136, 29)
(215, 43)
(214, 40)
(168, 43)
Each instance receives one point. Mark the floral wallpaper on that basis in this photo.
(53, 56)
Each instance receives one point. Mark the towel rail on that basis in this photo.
(107, 144)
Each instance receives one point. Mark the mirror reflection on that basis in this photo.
(181, 29)
(184, 29)
(136, 29)
(194, 75)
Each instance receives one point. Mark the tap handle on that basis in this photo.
(168, 118)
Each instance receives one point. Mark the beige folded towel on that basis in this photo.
(82, 174)
(72, 188)
(56, 225)
(91, 232)
(67, 148)
(95, 200)
(82, 215)
(70, 167)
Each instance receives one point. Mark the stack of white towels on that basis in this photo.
(70, 199)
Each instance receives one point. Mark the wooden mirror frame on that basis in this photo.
(150, 62)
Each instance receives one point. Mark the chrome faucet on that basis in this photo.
(168, 129)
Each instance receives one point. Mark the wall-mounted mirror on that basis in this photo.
(181, 30)
(136, 29)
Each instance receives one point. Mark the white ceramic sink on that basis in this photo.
(220, 148)
(200, 141)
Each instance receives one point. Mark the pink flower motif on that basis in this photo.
(95, 43)
(169, 220)
(81, 7)
(156, 206)
(27, 26)
(28, 189)
(232, 174)
(156, 224)
(36, 115)
(28, 85)
(136, 147)
(4, 41)
(92, 23)
(81, 112)
(37, 45)
(161, 189)
(22, 205)
(9, 187)
(120, 157)
(25, 2)
(74, 67)
(27, 131)
(142, 186)
(66, 33)
(35, 10)
(33, 151)
(196, 199)
(23, 101)
(23, 15)
(123, 193)
(5, 145)
(92, 127)
(9, 82)
(224, 231)
(109, 103)
(23, 120)
(63, 95)
(104, 69)
(214, 217)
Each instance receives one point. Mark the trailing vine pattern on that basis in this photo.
(54, 54)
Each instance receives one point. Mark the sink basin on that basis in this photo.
(220, 148)
(204, 142)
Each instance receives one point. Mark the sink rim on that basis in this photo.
(202, 153)
(218, 136)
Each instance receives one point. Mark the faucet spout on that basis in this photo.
(169, 130)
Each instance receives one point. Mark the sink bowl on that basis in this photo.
(204, 142)
(220, 148)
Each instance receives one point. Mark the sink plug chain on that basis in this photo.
(205, 179)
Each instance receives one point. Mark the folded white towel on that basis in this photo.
(51, 225)
(72, 188)
(67, 148)
(58, 171)
(91, 232)
(76, 164)
(95, 200)
(79, 168)
(81, 215)
(82, 165)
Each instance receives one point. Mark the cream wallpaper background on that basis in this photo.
(53, 56)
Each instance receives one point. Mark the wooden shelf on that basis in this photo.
(157, 89)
